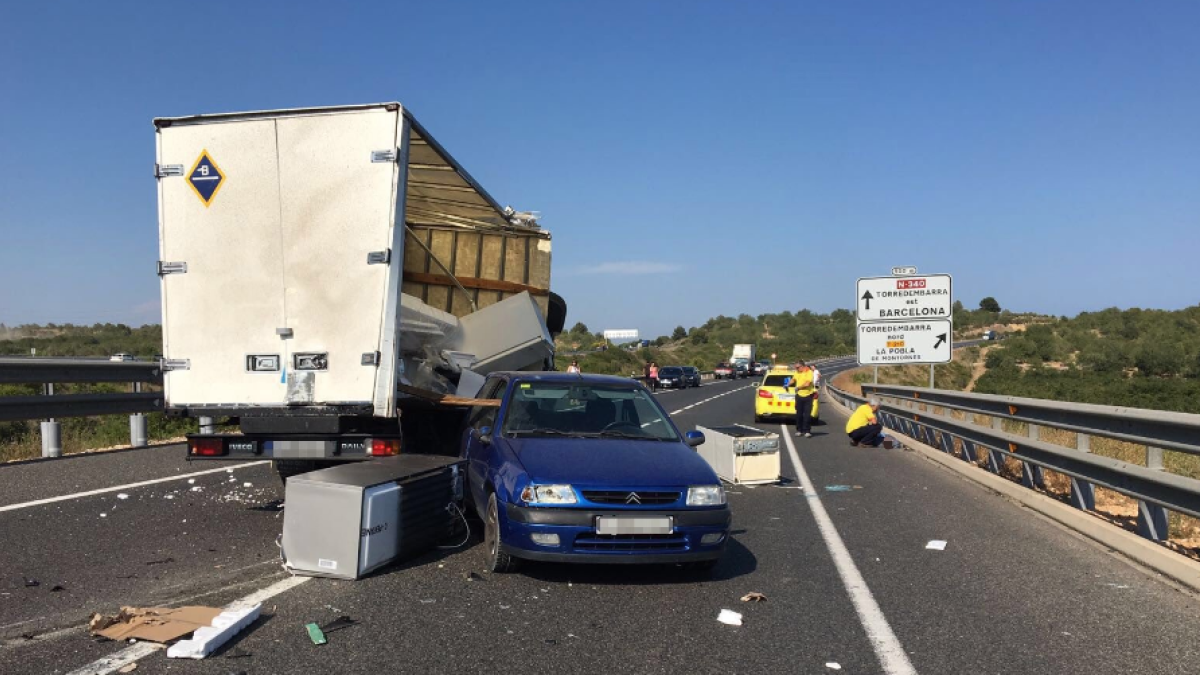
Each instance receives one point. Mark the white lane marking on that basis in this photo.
(888, 650)
(713, 398)
(153, 481)
(111, 664)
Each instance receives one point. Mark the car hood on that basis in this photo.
(611, 461)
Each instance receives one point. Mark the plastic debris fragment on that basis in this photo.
(730, 618)
(936, 545)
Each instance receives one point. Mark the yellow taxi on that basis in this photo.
(773, 399)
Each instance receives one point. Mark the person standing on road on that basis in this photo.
(816, 378)
(574, 367)
(863, 427)
(802, 385)
(653, 376)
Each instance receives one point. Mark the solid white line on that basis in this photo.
(111, 664)
(888, 650)
(153, 481)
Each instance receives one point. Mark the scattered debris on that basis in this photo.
(164, 561)
(429, 601)
(754, 596)
(551, 642)
(219, 630)
(936, 545)
(103, 515)
(788, 487)
(128, 668)
(730, 618)
(833, 665)
(247, 484)
(197, 489)
(1112, 585)
(56, 588)
(122, 495)
(170, 496)
(191, 481)
(333, 609)
(338, 624)
(471, 576)
(155, 624)
(838, 488)
(505, 606)
(228, 470)
(315, 634)
(30, 583)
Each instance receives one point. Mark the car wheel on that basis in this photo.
(497, 559)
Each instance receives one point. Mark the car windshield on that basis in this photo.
(586, 410)
(670, 372)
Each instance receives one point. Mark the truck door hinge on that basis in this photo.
(165, 268)
(379, 257)
(164, 170)
(384, 156)
(176, 364)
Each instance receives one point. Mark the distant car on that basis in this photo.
(724, 371)
(741, 370)
(761, 367)
(588, 469)
(671, 377)
(122, 357)
(691, 375)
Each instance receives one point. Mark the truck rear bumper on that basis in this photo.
(339, 447)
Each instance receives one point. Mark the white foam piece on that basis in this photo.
(207, 639)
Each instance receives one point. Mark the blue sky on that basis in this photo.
(691, 158)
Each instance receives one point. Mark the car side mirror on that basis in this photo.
(693, 438)
(484, 434)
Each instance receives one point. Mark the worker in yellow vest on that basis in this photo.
(802, 385)
(864, 427)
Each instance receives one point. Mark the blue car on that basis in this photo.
(588, 468)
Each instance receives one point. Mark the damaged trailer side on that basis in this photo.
(315, 261)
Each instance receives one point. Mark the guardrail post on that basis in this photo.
(995, 461)
(1038, 476)
(1083, 493)
(1152, 520)
(207, 426)
(968, 451)
(51, 430)
(137, 424)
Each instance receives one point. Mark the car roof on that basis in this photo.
(553, 376)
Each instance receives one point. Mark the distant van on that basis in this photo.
(122, 357)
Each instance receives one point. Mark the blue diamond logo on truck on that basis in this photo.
(206, 178)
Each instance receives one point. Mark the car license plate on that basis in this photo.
(786, 397)
(633, 525)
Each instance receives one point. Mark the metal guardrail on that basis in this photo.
(48, 407)
(926, 415)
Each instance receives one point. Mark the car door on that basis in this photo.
(475, 451)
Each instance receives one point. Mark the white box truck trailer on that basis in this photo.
(315, 263)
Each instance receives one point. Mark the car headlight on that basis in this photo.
(549, 494)
(706, 495)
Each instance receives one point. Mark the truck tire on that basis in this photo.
(497, 560)
(286, 468)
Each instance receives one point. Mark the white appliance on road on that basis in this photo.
(740, 454)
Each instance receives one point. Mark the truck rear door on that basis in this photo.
(291, 263)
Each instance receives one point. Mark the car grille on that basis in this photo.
(623, 497)
(630, 542)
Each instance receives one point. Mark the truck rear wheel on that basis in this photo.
(286, 468)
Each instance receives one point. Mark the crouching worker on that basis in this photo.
(864, 427)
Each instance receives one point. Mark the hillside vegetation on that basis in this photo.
(791, 336)
(1134, 357)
